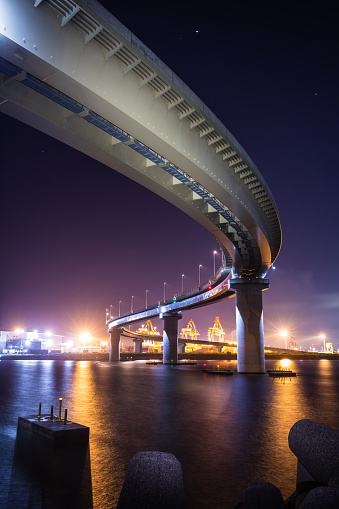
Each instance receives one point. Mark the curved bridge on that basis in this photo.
(73, 71)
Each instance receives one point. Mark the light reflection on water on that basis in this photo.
(227, 432)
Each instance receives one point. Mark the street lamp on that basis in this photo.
(146, 298)
(110, 311)
(199, 273)
(132, 304)
(323, 337)
(119, 307)
(284, 333)
(165, 292)
(85, 336)
(214, 253)
(182, 283)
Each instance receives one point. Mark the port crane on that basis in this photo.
(190, 332)
(216, 333)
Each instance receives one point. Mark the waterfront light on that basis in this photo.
(285, 363)
(284, 333)
(323, 338)
(85, 336)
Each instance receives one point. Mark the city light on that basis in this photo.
(85, 336)
(285, 363)
(284, 333)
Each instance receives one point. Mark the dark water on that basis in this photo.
(227, 432)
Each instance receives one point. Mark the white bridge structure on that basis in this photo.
(72, 70)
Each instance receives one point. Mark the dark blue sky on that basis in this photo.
(78, 237)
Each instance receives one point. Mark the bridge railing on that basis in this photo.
(196, 290)
(203, 286)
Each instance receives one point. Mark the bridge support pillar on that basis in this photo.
(249, 323)
(137, 345)
(170, 337)
(114, 351)
(181, 347)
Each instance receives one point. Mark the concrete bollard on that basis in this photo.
(153, 480)
(317, 448)
(263, 496)
(321, 497)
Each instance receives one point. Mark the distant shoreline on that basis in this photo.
(130, 356)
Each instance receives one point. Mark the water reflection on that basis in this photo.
(227, 432)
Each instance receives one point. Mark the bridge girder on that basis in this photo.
(87, 55)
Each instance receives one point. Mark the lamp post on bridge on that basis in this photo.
(132, 304)
(119, 307)
(182, 283)
(110, 310)
(199, 273)
(165, 292)
(214, 253)
(146, 298)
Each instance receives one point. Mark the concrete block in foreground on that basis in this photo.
(55, 431)
(317, 448)
(263, 496)
(322, 497)
(153, 480)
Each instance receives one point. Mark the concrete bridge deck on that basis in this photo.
(73, 71)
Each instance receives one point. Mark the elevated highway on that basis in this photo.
(76, 73)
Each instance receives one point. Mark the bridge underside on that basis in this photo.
(71, 70)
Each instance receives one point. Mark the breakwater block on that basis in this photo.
(153, 480)
(53, 430)
(263, 496)
(317, 448)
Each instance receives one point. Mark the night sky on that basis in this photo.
(77, 237)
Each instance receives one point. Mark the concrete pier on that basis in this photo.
(170, 337)
(114, 351)
(54, 430)
(51, 466)
(249, 323)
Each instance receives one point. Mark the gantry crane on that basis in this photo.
(292, 344)
(148, 329)
(190, 332)
(216, 331)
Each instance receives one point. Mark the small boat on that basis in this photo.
(218, 371)
(281, 373)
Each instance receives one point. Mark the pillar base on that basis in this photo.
(249, 323)
(170, 337)
(114, 351)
